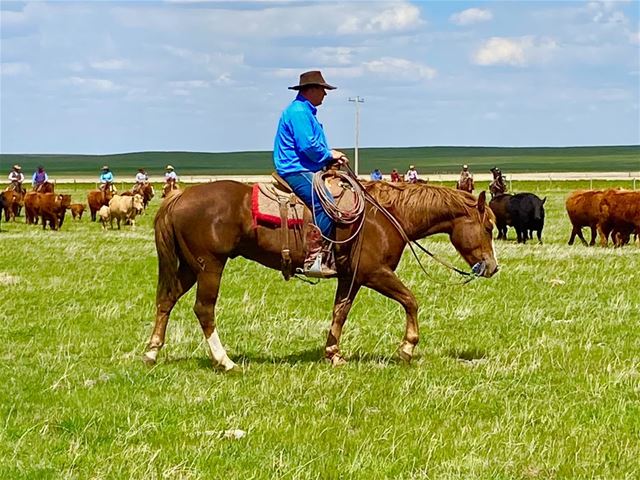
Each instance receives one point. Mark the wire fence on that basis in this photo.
(632, 178)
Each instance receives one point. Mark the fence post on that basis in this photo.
(591, 183)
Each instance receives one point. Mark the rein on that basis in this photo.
(411, 243)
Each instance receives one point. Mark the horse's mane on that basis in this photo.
(414, 199)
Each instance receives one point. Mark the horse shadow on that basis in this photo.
(467, 354)
(316, 355)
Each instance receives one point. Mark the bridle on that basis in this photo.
(476, 271)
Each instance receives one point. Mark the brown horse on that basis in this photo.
(198, 229)
(168, 188)
(46, 187)
(96, 199)
(145, 190)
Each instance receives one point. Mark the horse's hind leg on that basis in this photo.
(165, 301)
(341, 306)
(388, 284)
(204, 308)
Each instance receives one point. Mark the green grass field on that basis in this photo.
(428, 160)
(534, 373)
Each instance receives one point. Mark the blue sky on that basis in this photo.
(109, 77)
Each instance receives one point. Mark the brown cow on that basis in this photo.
(620, 213)
(12, 204)
(583, 207)
(77, 209)
(96, 199)
(32, 207)
(53, 208)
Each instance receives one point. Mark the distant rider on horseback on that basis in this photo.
(465, 182)
(106, 181)
(498, 186)
(16, 177)
(300, 149)
(141, 180)
(170, 178)
(39, 178)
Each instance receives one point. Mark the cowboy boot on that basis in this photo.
(318, 262)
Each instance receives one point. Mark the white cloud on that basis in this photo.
(333, 55)
(634, 37)
(605, 12)
(111, 64)
(471, 16)
(398, 17)
(520, 51)
(184, 84)
(14, 68)
(400, 67)
(94, 84)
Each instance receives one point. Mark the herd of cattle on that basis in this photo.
(50, 208)
(612, 213)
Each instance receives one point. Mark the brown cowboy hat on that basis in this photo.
(314, 77)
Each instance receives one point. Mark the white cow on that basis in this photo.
(105, 216)
(125, 208)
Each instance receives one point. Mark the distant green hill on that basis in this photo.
(428, 160)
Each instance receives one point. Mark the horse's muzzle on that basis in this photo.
(481, 269)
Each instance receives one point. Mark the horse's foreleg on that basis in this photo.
(388, 284)
(341, 306)
(204, 308)
(165, 301)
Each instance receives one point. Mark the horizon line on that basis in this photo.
(343, 148)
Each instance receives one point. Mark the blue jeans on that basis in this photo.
(302, 185)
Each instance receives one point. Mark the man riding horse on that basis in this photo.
(106, 181)
(142, 179)
(465, 182)
(498, 186)
(39, 178)
(16, 177)
(170, 181)
(301, 149)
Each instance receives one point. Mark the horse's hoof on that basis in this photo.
(337, 360)
(228, 368)
(234, 370)
(149, 358)
(403, 356)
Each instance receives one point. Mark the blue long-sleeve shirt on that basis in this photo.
(300, 144)
(106, 177)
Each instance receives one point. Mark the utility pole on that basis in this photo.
(357, 100)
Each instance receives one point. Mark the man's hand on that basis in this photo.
(339, 157)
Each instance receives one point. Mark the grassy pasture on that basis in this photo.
(428, 160)
(534, 373)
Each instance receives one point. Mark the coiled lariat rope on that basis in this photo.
(344, 216)
(350, 216)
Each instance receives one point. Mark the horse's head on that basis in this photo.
(472, 235)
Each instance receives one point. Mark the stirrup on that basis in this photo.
(318, 270)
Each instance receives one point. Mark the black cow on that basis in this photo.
(523, 211)
(527, 215)
(498, 206)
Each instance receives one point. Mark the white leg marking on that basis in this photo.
(218, 352)
(152, 354)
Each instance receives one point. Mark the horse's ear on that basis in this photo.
(544, 200)
(482, 201)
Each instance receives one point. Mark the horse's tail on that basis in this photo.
(166, 246)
